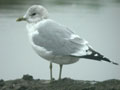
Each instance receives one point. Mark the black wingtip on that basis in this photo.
(115, 63)
(106, 59)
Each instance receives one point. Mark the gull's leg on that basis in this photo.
(60, 71)
(51, 78)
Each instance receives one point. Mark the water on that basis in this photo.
(98, 21)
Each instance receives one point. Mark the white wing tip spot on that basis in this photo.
(96, 55)
(73, 36)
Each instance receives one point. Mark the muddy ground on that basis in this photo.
(28, 83)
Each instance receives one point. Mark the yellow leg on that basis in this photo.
(60, 71)
(51, 78)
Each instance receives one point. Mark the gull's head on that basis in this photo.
(34, 14)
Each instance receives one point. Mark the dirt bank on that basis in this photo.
(28, 83)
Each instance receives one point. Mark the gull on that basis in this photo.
(55, 42)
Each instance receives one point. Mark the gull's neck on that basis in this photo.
(32, 27)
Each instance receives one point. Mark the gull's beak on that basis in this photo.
(21, 19)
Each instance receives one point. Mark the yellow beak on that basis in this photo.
(21, 19)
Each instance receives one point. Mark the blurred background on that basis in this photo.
(98, 21)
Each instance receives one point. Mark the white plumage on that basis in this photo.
(55, 42)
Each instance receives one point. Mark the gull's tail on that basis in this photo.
(97, 56)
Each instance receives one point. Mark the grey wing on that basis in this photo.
(59, 39)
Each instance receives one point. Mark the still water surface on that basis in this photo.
(98, 21)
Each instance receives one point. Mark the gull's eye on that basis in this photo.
(33, 14)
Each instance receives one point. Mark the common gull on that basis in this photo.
(55, 42)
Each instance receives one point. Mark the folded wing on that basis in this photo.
(59, 39)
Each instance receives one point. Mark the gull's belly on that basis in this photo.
(43, 52)
(53, 58)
